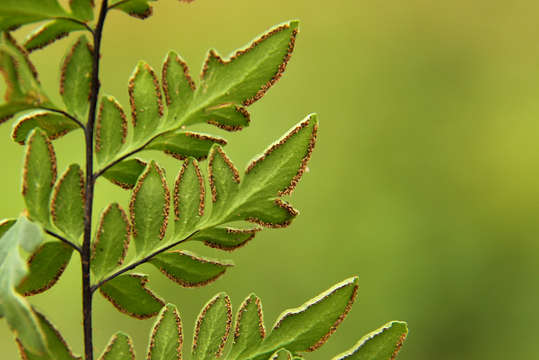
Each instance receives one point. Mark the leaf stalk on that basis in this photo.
(64, 240)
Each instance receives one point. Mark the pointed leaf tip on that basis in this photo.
(39, 175)
(383, 343)
(111, 241)
(67, 202)
(146, 101)
(110, 130)
(308, 327)
(140, 9)
(278, 170)
(166, 340)
(189, 197)
(50, 32)
(249, 330)
(76, 77)
(149, 208)
(212, 328)
(120, 347)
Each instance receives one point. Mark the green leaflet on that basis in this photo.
(110, 130)
(76, 78)
(8, 110)
(224, 181)
(39, 176)
(128, 294)
(226, 238)
(50, 32)
(120, 347)
(245, 77)
(137, 8)
(146, 102)
(249, 330)
(178, 86)
(67, 203)
(149, 208)
(166, 340)
(125, 173)
(271, 175)
(23, 88)
(227, 86)
(82, 9)
(56, 346)
(189, 270)
(111, 241)
(189, 198)
(278, 170)
(13, 306)
(54, 125)
(381, 344)
(14, 13)
(45, 266)
(272, 213)
(307, 327)
(182, 144)
(212, 328)
(227, 116)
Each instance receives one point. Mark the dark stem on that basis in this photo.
(89, 195)
(141, 261)
(64, 240)
(67, 115)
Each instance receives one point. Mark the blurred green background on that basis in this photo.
(424, 181)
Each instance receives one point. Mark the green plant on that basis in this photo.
(160, 109)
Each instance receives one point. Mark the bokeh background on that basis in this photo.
(424, 181)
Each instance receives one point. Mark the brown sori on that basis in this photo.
(228, 323)
(260, 93)
(234, 247)
(51, 282)
(100, 232)
(131, 90)
(166, 206)
(57, 189)
(189, 284)
(52, 157)
(235, 172)
(177, 184)
(333, 328)
(180, 334)
(143, 282)
(185, 73)
(242, 309)
(68, 60)
(111, 344)
(24, 53)
(293, 212)
(288, 190)
(99, 120)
